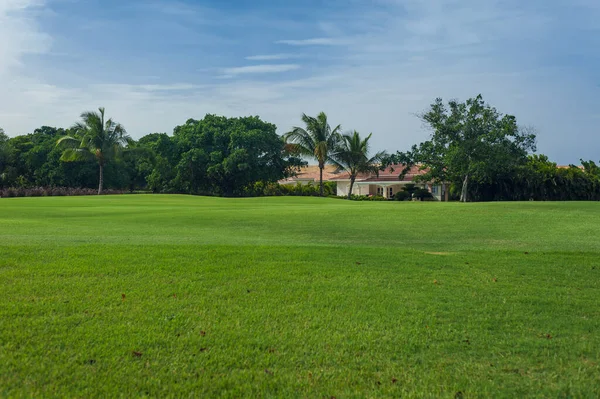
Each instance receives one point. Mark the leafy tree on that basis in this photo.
(316, 140)
(158, 168)
(94, 138)
(35, 161)
(470, 141)
(20, 147)
(352, 155)
(540, 179)
(591, 168)
(225, 155)
(5, 158)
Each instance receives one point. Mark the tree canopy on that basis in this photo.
(94, 139)
(316, 140)
(225, 155)
(479, 153)
(352, 155)
(470, 141)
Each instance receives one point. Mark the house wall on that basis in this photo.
(371, 189)
(342, 188)
(358, 189)
(396, 188)
(436, 191)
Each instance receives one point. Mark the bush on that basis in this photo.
(367, 198)
(422, 194)
(402, 196)
(270, 189)
(329, 188)
(53, 192)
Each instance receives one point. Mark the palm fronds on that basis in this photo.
(316, 140)
(352, 155)
(94, 139)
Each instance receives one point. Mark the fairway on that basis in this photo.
(181, 296)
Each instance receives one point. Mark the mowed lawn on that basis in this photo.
(179, 296)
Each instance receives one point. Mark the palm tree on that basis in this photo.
(317, 140)
(352, 155)
(94, 139)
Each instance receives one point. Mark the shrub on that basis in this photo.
(52, 192)
(367, 198)
(402, 196)
(422, 194)
(270, 189)
(329, 188)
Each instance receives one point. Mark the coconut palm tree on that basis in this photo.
(316, 140)
(94, 139)
(352, 155)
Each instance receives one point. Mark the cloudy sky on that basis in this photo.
(369, 64)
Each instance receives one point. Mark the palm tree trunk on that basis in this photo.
(321, 179)
(101, 179)
(465, 187)
(351, 186)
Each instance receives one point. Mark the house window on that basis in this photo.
(434, 190)
(390, 192)
(380, 191)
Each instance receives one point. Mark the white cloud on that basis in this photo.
(272, 57)
(19, 33)
(264, 68)
(320, 41)
(170, 87)
(394, 67)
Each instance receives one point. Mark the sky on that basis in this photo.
(371, 65)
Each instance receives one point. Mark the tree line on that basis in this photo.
(481, 154)
(486, 156)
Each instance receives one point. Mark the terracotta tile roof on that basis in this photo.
(391, 173)
(311, 172)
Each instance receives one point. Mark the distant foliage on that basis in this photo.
(352, 154)
(541, 180)
(368, 198)
(422, 194)
(479, 153)
(402, 196)
(95, 138)
(224, 156)
(316, 140)
(212, 156)
(273, 189)
(470, 143)
(52, 192)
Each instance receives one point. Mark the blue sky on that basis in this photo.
(370, 65)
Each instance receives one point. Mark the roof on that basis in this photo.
(569, 167)
(311, 173)
(391, 173)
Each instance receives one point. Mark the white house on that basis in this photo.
(387, 184)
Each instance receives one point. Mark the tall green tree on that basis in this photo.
(94, 138)
(352, 155)
(5, 158)
(316, 140)
(224, 156)
(470, 141)
(591, 168)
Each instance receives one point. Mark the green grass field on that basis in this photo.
(178, 296)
